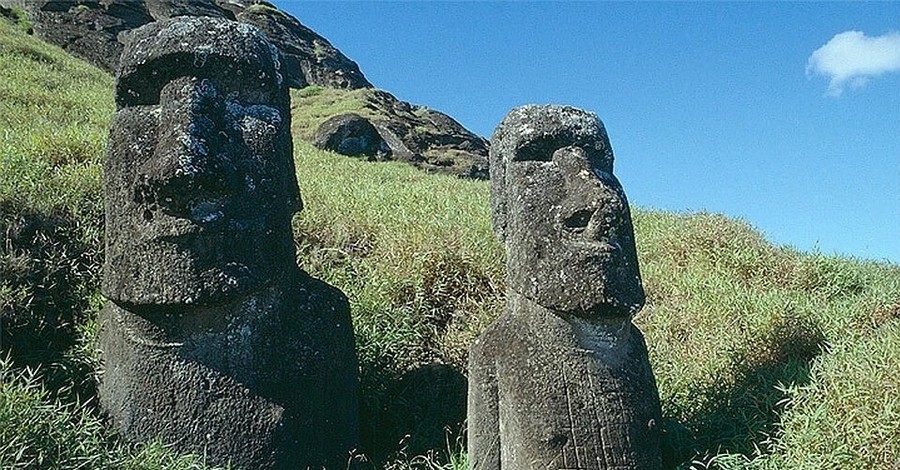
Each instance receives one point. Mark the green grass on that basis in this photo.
(416, 256)
(38, 430)
(765, 357)
(20, 19)
(314, 105)
(53, 110)
(848, 415)
(732, 322)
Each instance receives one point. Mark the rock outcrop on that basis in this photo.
(417, 135)
(309, 59)
(352, 135)
(91, 29)
(7, 13)
(431, 140)
(96, 30)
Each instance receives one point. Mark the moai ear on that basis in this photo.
(499, 156)
(498, 205)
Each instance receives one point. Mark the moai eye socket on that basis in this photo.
(144, 86)
(241, 82)
(539, 149)
(578, 221)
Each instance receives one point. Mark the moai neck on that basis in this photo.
(228, 337)
(185, 320)
(596, 334)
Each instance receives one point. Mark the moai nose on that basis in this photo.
(191, 111)
(572, 160)
(595, 203)
(606, 222)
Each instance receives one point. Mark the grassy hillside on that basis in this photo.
(426, 133)
(765, 358)
(54, 111)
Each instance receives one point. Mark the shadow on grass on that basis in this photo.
(741, 417)
(46, 270)
(419, 413)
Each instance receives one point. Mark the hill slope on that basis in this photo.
(428, 139)
(765, 357)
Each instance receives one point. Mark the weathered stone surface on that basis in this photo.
(435, 141)
(570, 230)
(399, 150)
(309, 59)
(353, 135)
(90, 29)
(447, 146)
(213, 339)
(165, 9)
(425, 138)
(265, 382)
(86, 29)
(564, 360)
(7, 13)
(202, 109)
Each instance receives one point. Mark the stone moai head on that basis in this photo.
(562, 214)
(200, 180)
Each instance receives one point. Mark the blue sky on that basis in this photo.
(784, 114)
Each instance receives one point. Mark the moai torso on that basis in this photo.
(561, 380)
(267, 381)
(213, 340)
(575, 403)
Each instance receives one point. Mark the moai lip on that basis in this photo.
(561, 380)
(214, 340)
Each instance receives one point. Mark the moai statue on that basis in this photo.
(213, 339)
(561, 380)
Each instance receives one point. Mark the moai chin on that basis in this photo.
(561, 380)
(213, 339)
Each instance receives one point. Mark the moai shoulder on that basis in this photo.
(561, 380)
(213, 340)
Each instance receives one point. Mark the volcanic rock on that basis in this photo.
(90, 29)
(353, 135)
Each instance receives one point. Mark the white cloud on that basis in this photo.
(852, 58)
